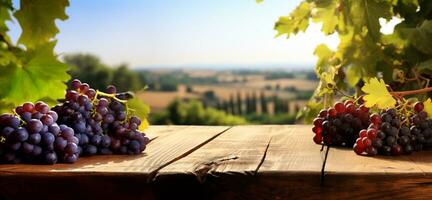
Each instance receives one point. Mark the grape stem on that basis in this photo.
(410, 92)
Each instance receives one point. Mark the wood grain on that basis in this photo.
(242, 162)
(238, 150)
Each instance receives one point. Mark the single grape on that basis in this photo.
(47, 120)
(34, 126)
(48, 138)
(50, 158)
(339, 107)
(28, 107)
(34, 138)
(71, 148)
(90, 150)
(322, 113)
(21, 134)
(27, 148)
(375, 119)
(418, 106)
(84, 88)
(60, 143)
(111, 89)
(363, 133)
(76, 84)
(41, 107)
(72, 158)
(37, 150)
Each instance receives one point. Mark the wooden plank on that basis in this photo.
(155, 131)
(125, 176)
(291, 169)
(344, 160)
(292, 150)
(226, 167)
(235, 154)
(238, 150)
(423, 160)
(377, 177)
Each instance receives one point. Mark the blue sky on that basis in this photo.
(195, 33)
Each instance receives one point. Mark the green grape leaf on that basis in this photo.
(425, 66)
(324, 55)
(297, 21)
(428, 107)
(353, 74)
(37, 20)
(39, 75)
(421, 37)
(140, 109)
(5, 6)
(325, 69)
(376, 93)
(331, 14)
(368, 12)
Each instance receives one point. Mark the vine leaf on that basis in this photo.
(140, 109)
(330, 14)
(421, 37)
(4, 14)
(428, 106)
(377, 94)
(297, 21)
(37, 20)
(38, 75)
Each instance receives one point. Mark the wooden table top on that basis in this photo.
(221, 162)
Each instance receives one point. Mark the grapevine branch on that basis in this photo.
(410, 92)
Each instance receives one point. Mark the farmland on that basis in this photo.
(285, 92)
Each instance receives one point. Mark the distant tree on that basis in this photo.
(125, 80)
(189, 89)
(254, 102)
(209, 94)
(263, 103)
(225, 107)
(268, 87)
(88, 68)
(248, 101)
(239, 104)
(232, 105)
(297, 108)
(218, 104)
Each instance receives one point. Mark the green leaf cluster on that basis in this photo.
(403, 59)
(30, 70)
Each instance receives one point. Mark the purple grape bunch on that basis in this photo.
(32, 135)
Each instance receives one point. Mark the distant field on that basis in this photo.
(160, 100)
(300, 84)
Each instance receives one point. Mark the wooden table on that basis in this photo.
(240, 162)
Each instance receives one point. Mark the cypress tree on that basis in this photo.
(263, 103)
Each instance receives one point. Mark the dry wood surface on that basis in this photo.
(221, 162)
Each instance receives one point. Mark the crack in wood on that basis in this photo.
(201, 170)
(153, 139)
(153, 174)
(323, 166)
(263, 158)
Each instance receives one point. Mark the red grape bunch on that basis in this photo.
(340, 124)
